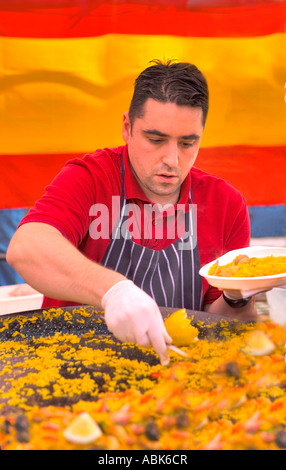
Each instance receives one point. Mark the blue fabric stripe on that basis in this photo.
(9, 221)
(268, 221)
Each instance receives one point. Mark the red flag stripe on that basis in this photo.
(32, 19)
(257, 172)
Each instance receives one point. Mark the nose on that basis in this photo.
(171, 155)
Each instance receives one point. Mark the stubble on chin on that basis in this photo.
(162, 190)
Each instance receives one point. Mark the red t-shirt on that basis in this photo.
(68, 204)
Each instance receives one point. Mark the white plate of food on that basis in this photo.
(243, 276)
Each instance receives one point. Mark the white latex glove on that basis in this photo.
(133, 316)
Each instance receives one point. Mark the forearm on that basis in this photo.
(52, 265)
(220, 307)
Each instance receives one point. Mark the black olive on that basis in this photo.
(22, 423)
(232, 369)
(7, 426)
(182, 421)
(23, 436)
(152, 431)
(280, 439)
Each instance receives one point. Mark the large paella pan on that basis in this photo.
(58, 365)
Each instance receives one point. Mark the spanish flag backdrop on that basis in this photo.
(67, 69)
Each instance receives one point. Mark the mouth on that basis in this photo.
(167, 177)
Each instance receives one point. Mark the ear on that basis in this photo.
(126, 128)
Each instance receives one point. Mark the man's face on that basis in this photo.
(163, 147)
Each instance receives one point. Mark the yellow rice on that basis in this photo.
(266, 266)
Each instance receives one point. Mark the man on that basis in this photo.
(57, 249)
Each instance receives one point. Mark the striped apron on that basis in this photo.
(170, 276)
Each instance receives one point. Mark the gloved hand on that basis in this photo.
(133, 316)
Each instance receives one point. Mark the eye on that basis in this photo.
(187, 144)
(155, 141)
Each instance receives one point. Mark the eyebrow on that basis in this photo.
(162, 134)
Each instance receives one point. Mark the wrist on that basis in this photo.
(113, 289)
(236, 303)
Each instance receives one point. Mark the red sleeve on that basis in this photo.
(68, 199)
(66, 202)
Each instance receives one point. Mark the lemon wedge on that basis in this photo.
(179, 327)
(258, 344)
(82, 430)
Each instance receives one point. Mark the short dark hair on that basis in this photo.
(170, 82)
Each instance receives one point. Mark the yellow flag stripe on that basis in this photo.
(68, 95)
